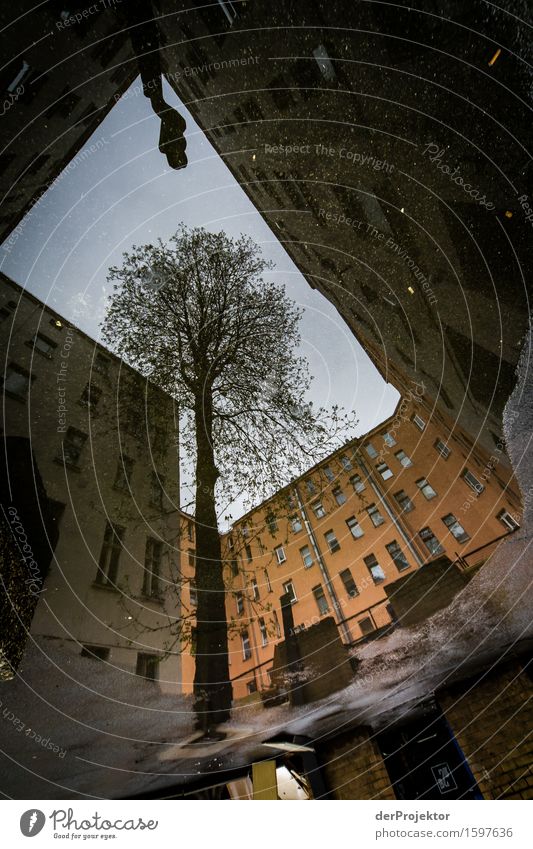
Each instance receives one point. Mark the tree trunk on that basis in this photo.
(212, 688)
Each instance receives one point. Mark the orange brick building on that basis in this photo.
(408, 492)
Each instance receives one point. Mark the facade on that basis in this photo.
(102, 441)
(404, 495)
(407, 228)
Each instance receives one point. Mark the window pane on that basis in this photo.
(357, 483)
(402, 457)
(426, 489)
(375, 516)
(355, 527)
(339, 495)
(397, 555)
(332, 541)
(349, 583)
(306, 555)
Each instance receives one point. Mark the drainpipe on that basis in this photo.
(324, 570)
(390, 512)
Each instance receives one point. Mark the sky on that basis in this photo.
(123, 194)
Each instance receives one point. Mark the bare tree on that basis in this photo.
(198, 319)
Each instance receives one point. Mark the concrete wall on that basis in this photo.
(420, 594)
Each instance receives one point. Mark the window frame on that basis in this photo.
(320, 597)
(373, 510)
(404, 461)
(334, 544)
(423, 485)
(476, 487)
(377, 579)
(385, 471)
(397, 560)
(294, 597)
(347, 578)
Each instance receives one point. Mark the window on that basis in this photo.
(366, 625)
(152, 566)
(384, 471)
(472, 481)
(306, 556)
(255, 590)
(377, 573)
(190, 531)
(349, 583)
(272, 523)
(263, 631)
(248, 552)
(332, 541)
(311, 488)
(90, 395)
(234, 566)
(404, 502)
(156, 490)
(318, 509)
(288, 588)
(147, 666)
(418, 422)
(17, 382)
(370, 450)
(443, 449)
(455, 528)
(110, 555)
(192, 558)
(57, 323)
(101, 363)
(296, 524)
(4, 314)
(324, 63)
(329, 473)
(346, 463)
(357, 483)
(73, 445)
(239, 602)
(95, 652)
(246, 648)
(123, 473)
(402, 458)
(339, 495)
(508, 520)
(267, 581)
(245, 530)
(355, 528)
(321, 600)
(397, 555)
(375, 516)
(389, 440)
(279, 551)
(430, 541)
(44, 345)
(193, 595)
(426, 489)
(251, 686)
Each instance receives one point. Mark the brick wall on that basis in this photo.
(353, 767)
(492, 719)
